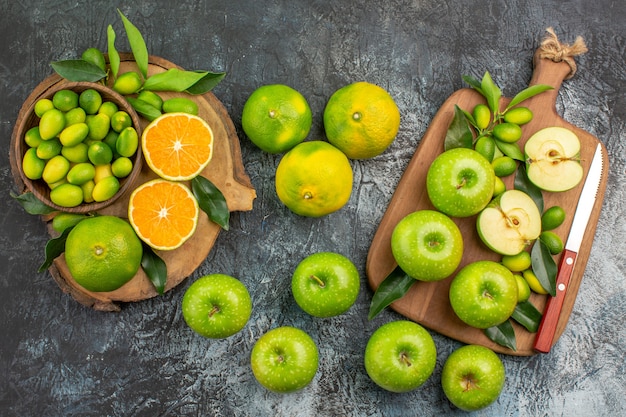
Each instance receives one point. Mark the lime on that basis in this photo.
(65, 100)
(482, 116)
(180, 104)
(62, 221)
(552, 218)
(523, 289)
(105, 188)
(533, 282)
(49, 148)
(109, 108)
(56, 169)
(127, 83)
(486, 146)
(517, 263)
(552, 241)
(94, 56)
(151, 98)
(43, 105)
(32, 137)
(127, 142)
(74, 134)
(122, 167)
(90, 100)
(66, 195)
(51, 124)
(76, 115)
(504, 166)
(507, 132)
(99, 153)
(518, 115)
(99, 125)
(120, 121)
(76, 154)
(32, 165)
(103, 253)
(276, 118)
(81, 173)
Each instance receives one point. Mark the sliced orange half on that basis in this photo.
(163, 213)
(177, 146)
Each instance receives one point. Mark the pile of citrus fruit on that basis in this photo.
(314, 178)
(82, 147)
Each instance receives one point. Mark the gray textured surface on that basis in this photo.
(58, 358)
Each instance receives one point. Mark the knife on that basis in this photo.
(547, 328)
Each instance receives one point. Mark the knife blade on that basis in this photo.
(552, 312)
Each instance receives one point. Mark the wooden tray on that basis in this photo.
(428, 303)
(225, 170)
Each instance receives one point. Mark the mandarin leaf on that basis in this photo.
(206, 83)
(543, 266)
(522, 183)
(114, 56)
(510, 149)
(78, 70)
(491, 92)
(527, 315)
(146, 110)
(173, 79)
(155, 268)
(31, 204)
(211, 200)
(527, 93)
(137, 45)
(459, 134)
(54, 248)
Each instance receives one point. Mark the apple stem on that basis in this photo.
(214, 311)
(470, 383)
(462, 184)
(404, 358)
(315, 278)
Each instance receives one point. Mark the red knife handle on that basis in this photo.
(554, 305)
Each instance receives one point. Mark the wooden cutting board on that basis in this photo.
(428, 303)
(225, 170)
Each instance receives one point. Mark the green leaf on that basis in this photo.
(137, 45)
(510, 149)
(211, 200)
(54, 248)
(146, 110)
(114, 56)
(459, 134)
(503, 334)
(32, 204)
(527, 315)
(155, 268)
(393, 287)
(543, 266)
(473, 82)
(527, 93)
(206, 83)
(78, 70)
(173, 79)
(522, 183)
(491, 92)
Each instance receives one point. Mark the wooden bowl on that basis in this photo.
(27, 119)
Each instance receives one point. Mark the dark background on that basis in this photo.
(58, 358)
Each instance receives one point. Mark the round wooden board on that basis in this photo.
(225, 170)
(427, 302)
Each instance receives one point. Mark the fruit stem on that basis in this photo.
(404, 358)
(214, 311)
(462, 184)
(470, 383)
(315, 278)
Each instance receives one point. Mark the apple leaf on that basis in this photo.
(527, 93)
(54, 248)
(211, 200)
(459, 134)
(510, 149)
(527, 315)
(32, 204)
(393, 287)
(543, 266)
(155, 268)
(503, 334)
(522, 183)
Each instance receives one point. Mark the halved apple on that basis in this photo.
(553, 159)
(509, 223)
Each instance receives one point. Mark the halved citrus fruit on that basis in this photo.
(163, 213)
(177, 146)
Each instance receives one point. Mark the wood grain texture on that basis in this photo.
(225, 170)
(427, 302)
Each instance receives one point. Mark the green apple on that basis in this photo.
(483, 294)
(509, 223)
(325, 284)
(427, 245)
(472, 377)
(400, 356)
(284, 359)
(216, 306)
(553, 159)
(460, 182)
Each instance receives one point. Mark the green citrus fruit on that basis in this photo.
(486, 146)
(120, 121)
(43, 105)
(504, 166)
(314, 179)
(66, 195)
(94, 56)
(517, 263)
(180, 104)
(127, 83)
(507, 132)
(32, 165)
(90, 100)
(518, 115)
(276, 118)
(99, 153)
(553, 242)
(65, 100)
(103, 253)
(51, 124)
(482, 116)
(76, 115)
(361, 120)
(552, 218)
